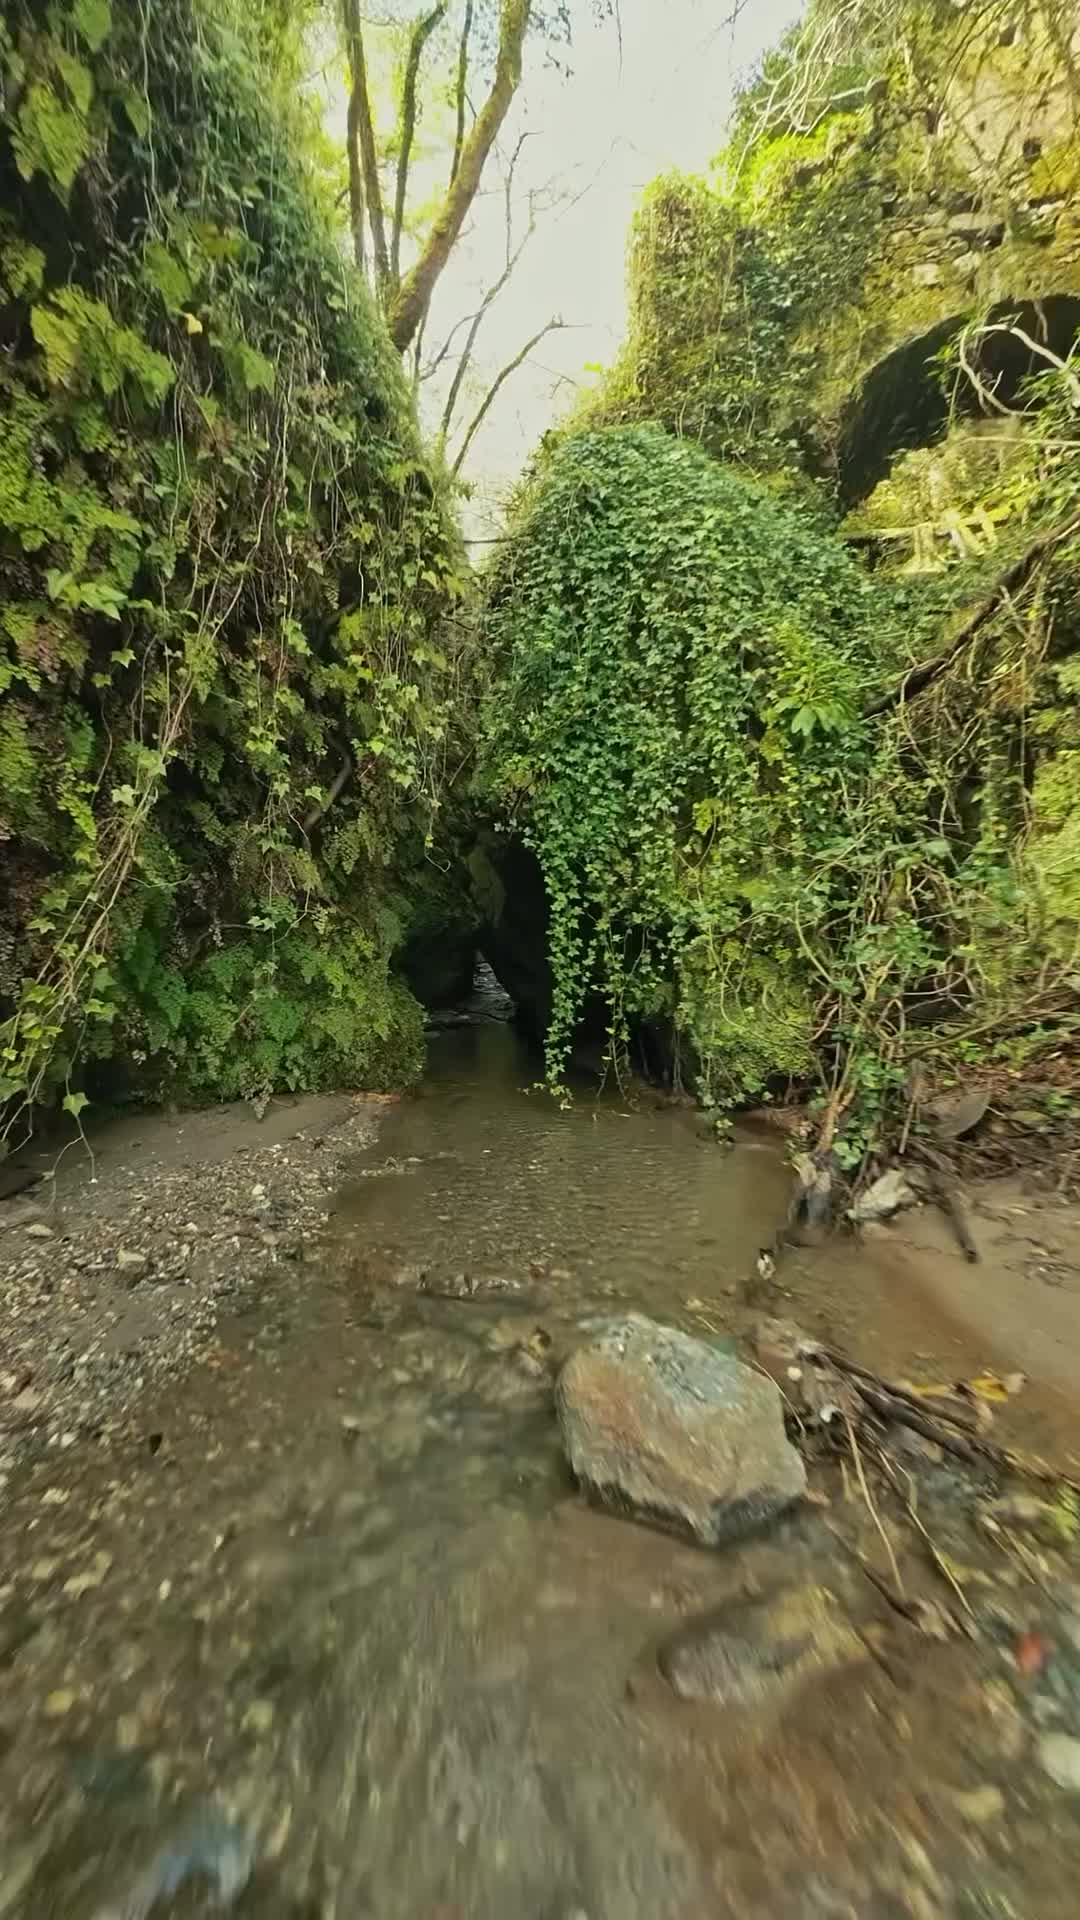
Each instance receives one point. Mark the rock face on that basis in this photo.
(760, 1653)
(674, 1430)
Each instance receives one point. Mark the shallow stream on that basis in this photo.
(354, 1630)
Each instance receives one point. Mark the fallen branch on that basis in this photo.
(940, 1563)
(875, 1516)
(893, 1403)
(919, 677)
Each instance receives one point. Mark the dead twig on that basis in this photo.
(945, 1428)
(940, 1563)
(871, 1508)
(923, 675)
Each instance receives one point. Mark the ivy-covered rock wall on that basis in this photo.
(788, 625)
(891, 171)
(676, 731)
(228, 578)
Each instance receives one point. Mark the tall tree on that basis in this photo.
(406, 295)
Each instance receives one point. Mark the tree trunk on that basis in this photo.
(413, 297)
(421, 33)
(462, 79)
(365, 131)
(356, 184)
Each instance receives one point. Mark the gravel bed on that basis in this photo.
(113, 1282)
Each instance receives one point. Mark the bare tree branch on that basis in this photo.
(414, 295)
(513, 255)
(421, 34)
(434, 365)
(508, 192)
(337, 786)
(925, 672)
(477, 421)
(462, 78)
(365, 129)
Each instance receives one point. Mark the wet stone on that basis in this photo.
(759, 1653)
(675, 1430)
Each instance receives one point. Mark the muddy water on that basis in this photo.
(348, 1624)
(621, 1200)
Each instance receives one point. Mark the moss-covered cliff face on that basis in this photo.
(891, 172)
(226, 572)
(871, 307)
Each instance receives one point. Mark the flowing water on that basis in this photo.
(362, 1653)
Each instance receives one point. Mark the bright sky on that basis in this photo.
(602, 134)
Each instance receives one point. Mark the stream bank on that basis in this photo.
(337, 1583)
(119, 1254)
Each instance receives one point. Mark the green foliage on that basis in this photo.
(817, 870)
(715, 349)
(226, 573)
(883, 172)
(301, 1005)
(737, 831)
(676, 730)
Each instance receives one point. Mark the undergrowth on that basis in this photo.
(676, 730)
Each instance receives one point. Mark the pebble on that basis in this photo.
(1059, 1756)
(90, 1578)
(37, 1230)
(980, 1805)
(59, 1702)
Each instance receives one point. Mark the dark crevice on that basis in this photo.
(907, 400)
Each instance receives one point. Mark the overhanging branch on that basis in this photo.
(923, 675)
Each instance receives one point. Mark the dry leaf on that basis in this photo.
(991, 1386)
(1029, 1652)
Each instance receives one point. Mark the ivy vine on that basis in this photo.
(228, 579)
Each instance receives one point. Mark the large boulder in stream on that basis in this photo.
(675, 1430)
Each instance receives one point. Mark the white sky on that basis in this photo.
(597, 136)
(607, 129)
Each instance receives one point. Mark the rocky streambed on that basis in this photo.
(492, 1562)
